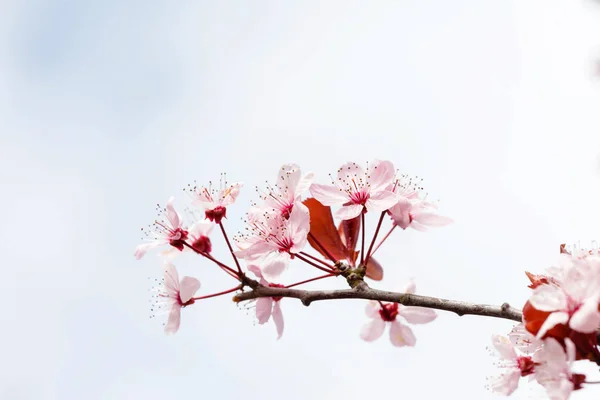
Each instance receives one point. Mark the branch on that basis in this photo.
(363, 291)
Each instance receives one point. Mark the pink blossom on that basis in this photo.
(574, 301)
(387, 313)
(164, 232)
(410, 209)
(288, 190)
(268, 306)
(172, 295)
(273, 240)
(358, 190)
(215, 202)
(554, 369)
(199, 236)
(514, 366)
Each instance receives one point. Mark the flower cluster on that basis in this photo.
(561, 321)
(282, 226)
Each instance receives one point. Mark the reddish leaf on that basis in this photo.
(563, 249)
(349, 231)
(537, 280)
(534, 318)
(374, 270)
(322, 230)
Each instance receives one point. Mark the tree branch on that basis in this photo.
(363, 291)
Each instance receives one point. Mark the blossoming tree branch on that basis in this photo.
(558, 326)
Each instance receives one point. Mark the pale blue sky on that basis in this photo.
(107, 108)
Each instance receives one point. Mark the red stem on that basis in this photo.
(224, 267)
(362, 247)
(327, 253)
(374, 237)
(384, 238)
(237, 263)
(316, 259)
(217, 294)
(310, 280)
(311, 263)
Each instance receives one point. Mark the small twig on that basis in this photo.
(363, 291)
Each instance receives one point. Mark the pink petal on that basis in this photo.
(174, 320)
(382, 173)
(171, 280)
(400, 212)
(548, 298)
(228, 196)
(418, 227)
(417, 315)
(372, 309)
(289, 176)
(431, 219)
(381, 201)
(273, 266)
(372, 330)
(255, 270)
(201, 228)
(172, 215)
(256, 250)
(587, 318)
(188, 288)
(401, 335)
(264, 305)
(141, 250)
(570, 352)
(349, 212)
(506, 383)
(552, 320)
(349, 171)
(504, 347)
(278, 319)
(328, 195)
(304, 184)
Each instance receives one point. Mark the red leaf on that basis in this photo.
(374, 270)
(323, 237)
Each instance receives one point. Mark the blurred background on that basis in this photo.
(107, 108)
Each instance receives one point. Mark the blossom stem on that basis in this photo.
(311, 263)
(238, 287)
(224, 267)
(384, 238)
(310, 280)
(237, 263)
(362, 247)
(374, 237)
(316, 259)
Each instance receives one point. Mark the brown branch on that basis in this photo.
(363, 291)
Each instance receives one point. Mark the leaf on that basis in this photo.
(323, 232)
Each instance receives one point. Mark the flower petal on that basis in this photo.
(201, 228)
(171, 278)
(278, 319)
(587, 318)
(381, 201)
(172, 325)
(349, 212)
(228, 196)
(274, 265)
(410, 287)
(328, 195)
(142, 249)
(381, 174)
(504, 347)
(188, 288)
(431, 219)
(304, 184)
(552, 320)
(172, 215)
(417, 315)
(372, 309)
(400, 212)
(401, 335)
(548, 298)
(264, 306)
(372, 330)
(256, 250)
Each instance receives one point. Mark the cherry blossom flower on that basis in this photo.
(172, 295)
(573, 302)
(358, 190)
(215, 202)
(268, 306)
(554, 369)
(513, 365)
(288, 189)
(164, 232)
(274, 240)
(199, 236)
(410, 209)
(387, 313)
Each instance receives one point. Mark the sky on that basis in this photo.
(107, 108)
